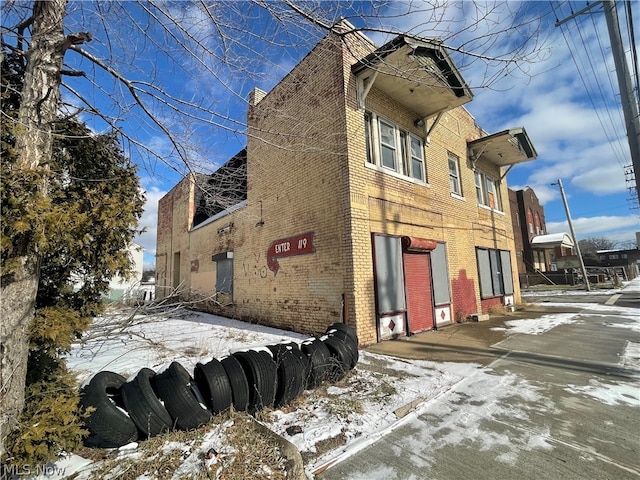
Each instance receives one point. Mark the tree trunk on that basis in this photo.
(39, 102)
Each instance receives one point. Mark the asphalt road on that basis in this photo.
(559, 405)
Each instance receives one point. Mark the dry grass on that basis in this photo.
(324, 446)
(249, 454)
(153, 458)
(497, 310)
(256, 456)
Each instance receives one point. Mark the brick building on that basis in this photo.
(366, 194)
(536, 250)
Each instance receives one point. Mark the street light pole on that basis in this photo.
(573, 235)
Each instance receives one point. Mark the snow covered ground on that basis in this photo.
(361, 408)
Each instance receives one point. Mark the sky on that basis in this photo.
(194, 70)
(566, 98)
(154, 341)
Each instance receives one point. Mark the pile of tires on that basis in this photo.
(150, 403)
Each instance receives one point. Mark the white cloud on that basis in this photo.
(601, 181)
(619, 228)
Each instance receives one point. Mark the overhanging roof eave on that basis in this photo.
(420, 66)
(505, 148)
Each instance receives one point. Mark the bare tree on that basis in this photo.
(170, 76)
(592, 245)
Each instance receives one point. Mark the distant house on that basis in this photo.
(624, 263)
(366, 194)
(121, 288)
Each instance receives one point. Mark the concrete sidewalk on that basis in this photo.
(557, 405)
(461, 342)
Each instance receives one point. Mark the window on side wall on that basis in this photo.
(487, 191)
(454, 174)
(394, 149)
(224, 272)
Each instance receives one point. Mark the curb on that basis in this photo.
(294, 464)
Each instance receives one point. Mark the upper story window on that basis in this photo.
(538, 224)
(388, 150)
(392, 148)
(487, 191)
(454, 174)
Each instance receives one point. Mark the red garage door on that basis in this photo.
(417, 277)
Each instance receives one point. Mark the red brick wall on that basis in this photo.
(488, 303)
(463, 296)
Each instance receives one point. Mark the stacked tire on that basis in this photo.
(121, 411)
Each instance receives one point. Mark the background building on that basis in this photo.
(541, 257)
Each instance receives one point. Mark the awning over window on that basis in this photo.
(504, 148)
(418, 73)
(552, 240)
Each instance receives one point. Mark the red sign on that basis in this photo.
(289, 247)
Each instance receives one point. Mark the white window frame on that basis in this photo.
(454, 177)
(391, 147)
(416, 160)
(408, 162)
(486, 185)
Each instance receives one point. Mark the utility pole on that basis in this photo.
(573, 235)
(629, 105)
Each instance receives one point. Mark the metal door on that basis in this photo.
(417, 271)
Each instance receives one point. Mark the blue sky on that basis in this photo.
(566, 99)
(566, 96)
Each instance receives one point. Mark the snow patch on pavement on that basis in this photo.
(619, 393)
(537, 326)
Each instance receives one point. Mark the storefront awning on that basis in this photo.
(552, 240)
(418, 73)
(505, 148)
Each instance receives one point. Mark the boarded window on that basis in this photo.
(484, 270)
(505, 258)
(224, 272)
(494, 269)
(389, 274)
(441, 290)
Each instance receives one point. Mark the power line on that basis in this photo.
(612, 140)
(627, 98)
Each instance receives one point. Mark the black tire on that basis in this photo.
(213, 382)
(109, 425)
(343, 327)
(261, 372)
(144, 406)
(238, 380)
(178, 391)
(319, 358)
(306, 364)
(341, 358)
(348, 343)
(291, 373)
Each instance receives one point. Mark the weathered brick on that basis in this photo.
(306, 172)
